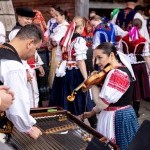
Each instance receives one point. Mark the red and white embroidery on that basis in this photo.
(105, 101)
(119, 81)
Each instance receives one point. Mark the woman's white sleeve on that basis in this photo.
(116, 84)
(80, 49)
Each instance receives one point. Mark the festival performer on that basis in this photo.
(51, 22)
(116, 117)
(105, 31)
(13, 75)
(54, 41)
(72, 72)
(126, 16)
(137, 48)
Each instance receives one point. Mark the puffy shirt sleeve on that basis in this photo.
(119, 31)
(59, 33)
(19, 111)
(80, 49)
(96, 40)
(116, 84)
(39, 61)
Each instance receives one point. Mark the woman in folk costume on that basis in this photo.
(51, 22)
(116, 117)
(105, 31)
(88, 36)
(72, 72)
(137, 48)
(55, 38)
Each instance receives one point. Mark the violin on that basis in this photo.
(93, 79)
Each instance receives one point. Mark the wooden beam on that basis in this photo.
(103, 5)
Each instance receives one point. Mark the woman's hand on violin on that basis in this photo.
(94, 72)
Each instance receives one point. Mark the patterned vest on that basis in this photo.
(125, 18)
(69, 54)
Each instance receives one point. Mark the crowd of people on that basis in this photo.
(121, 42)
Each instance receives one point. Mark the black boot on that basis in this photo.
(136, 106)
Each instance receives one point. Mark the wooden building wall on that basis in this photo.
(7, 15)
(44, 5)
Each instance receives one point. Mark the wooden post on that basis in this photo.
(140, 2)
(82, 8)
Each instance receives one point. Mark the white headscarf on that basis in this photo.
(126, 61)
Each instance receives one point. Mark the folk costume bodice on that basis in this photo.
(76, 50)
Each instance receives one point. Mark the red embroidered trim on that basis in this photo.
(119, 81)
(105, 101)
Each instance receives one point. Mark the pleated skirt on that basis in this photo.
(126, 126)
(141, 87)
(63, 86)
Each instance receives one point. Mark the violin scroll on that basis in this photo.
(71, 97)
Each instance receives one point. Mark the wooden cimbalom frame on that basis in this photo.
(61, 131)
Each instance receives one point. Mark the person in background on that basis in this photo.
(148, 20)
(13, 74)
(54, 41)
(117, 120)
(25, 16)
(71, 72)
(105, 31)
(139, 15)
(88, 33)
(136, 47)
(88, 36)
(126, 16)
(2, 33)
(39, 20)
(52, 21)
(43, 85)
(51, 25)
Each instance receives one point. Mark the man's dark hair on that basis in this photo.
(30, 31)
